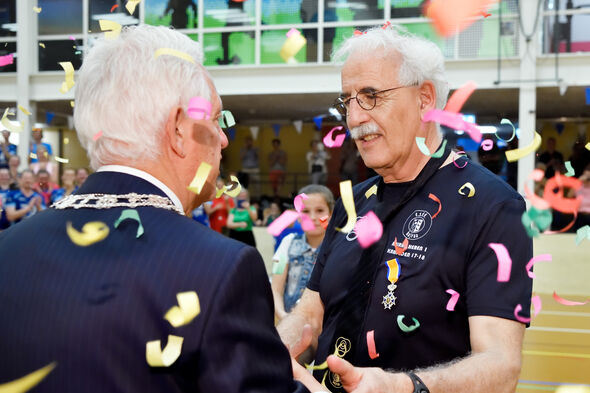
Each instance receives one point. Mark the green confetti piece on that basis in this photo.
(506, 121)
(424, 149)
(536, 221)
(570, 170)
(404, 327)
(582, 233)
(132, 215)
(279, 267)
(226, 120)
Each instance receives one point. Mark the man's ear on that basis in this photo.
(173, 130)
(427, 96)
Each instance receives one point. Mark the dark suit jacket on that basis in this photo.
(93, 309)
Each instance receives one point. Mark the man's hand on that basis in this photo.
(300, 346)
(370, 379)
(37, 201)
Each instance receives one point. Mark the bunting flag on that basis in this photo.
(254, 131)
(277, 129)
(232, 133)
(49, 117)
(298, 124)
(318, 122)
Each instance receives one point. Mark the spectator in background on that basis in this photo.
(7, 149)
(45, 186)
(68, 179)
(350, 162)
(13, 164)
(241, 219)
(179, 14)
(250, 173)
(36, 143)
(277, 162)
(271, 213)
(81, 175)
(316, 161)
(552, 158)
(4, 190)
(300, 251)
(580, 157)
(44, 163)
(24, 202)
(201, 214)
(220, 208)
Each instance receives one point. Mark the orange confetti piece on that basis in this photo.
(459, 97)
(114, 7)
(435, 198)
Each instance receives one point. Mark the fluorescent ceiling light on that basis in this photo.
(352, 6)
(10, 27)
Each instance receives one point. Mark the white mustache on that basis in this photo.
(363, 130)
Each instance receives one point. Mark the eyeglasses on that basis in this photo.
(366, 98)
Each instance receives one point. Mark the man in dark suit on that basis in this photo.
(85, 292)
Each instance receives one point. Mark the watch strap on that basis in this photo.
(419, 385)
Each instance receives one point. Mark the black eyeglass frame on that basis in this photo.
(341, 104)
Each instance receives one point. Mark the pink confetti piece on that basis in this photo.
(487, 144)
(537, 175)
(453, 300)
(566, 302)
(6, 60)
(336, 141)
(371, 344)
(538, 258)
(293, 32)
(199, 108)
(283, 221)
(298, 202)
(71, 37)
(97, 135)
(435, 198)
(306, 222)
(386, 25)
(368, 229)
(537, 305)
(459, 96)
(455, 121)
(518, 309)
(504, 261)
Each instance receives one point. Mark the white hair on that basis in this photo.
(125, 94)
(422, 60)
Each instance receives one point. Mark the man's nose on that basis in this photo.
(356, 115)
(223, 137)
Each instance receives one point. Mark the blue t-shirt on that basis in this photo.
(446, 249)
(18, 200)
(59, 194)
(3, 159)
(34, 150)
(4, 223)
(200, 216)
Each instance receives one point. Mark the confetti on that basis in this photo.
(96, 136)
(570, 170)
(517, 310)
(72, 104)
(424, 149)
(24, 110)
(337, 141)
(130, 214)
(226, 120)
(568, 226)
(459, 96)
(114, 27)
(504, 261)
(200, 178)
(9, 124)
(435, 198)
(37, 9)
(292, 45)
(450, 17)
(582, 233)
(156, 357)
(92, 232)
(453, 300)
(298, 202)
(517, 154)
(66, 140)
(538, 258)
(281, 222)
(404, 327)
(71, 37)
(587, 146)
(487, 144)
(42, 45)
(188, 308)
(556, 199)
(371, 345)
(279, 266)
(506, 121)
(468, 186)
(536, 301)
(460, 154)
(400, 250)
(454, 121)
(61, 160)
(199, 108)
(306, 222)
(371, 191)
(348, 200)
(131, 4)
(27, 382)
(484, 14)
(69, 82)
(538, 202)
(536, 220)
(234, 188)
(566, 302)
(114, 7)
(33, 156)
(173, 52)
(324, 221)
(7, 59)
(368, 229)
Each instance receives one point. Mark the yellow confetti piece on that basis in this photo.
(33, 156)
(27, 382)
(9, 125)
(72, 104)
(37, 9)
(42, 45)
(173, 52)
(573, 389)
(470, 187)
(156, 357)
(69, 82)
(62, 160)
(92, 232)
(198, 182)
(293, 45)
(517, 154)
(588, 146)
(131, 4)
(24, 110)
(371, 191)
(236, 190)
(66, 140)
(110, 25)
(188, 308)
(348, 201)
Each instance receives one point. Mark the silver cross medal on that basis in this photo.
(389, 299)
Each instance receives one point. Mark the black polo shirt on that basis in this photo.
(448, 250)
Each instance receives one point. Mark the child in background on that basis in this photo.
(241, 219)
(220, 210)
(300, 251)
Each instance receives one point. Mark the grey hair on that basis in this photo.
(125, 94)
(422, 60)
(322, 190)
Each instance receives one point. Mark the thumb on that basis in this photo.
(349, 375)
(303, 343)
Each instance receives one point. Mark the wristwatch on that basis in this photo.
(419, 386)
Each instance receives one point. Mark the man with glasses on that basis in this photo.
(392, 305)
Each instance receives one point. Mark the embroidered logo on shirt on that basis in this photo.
(417, 224)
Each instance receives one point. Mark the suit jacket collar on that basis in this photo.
(117, 183)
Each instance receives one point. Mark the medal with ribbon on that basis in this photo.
(393, 272)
